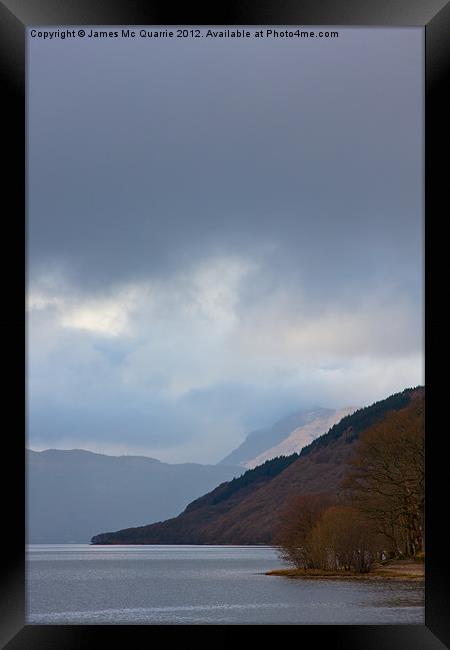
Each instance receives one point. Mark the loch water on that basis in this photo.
(198, 585)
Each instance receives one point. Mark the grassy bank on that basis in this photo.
(395, 570)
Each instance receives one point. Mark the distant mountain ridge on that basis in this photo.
(244, 511)
(258, 442)
(320, 423)
(69, 492)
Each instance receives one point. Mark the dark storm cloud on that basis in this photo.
(145, 154)
(219, 233)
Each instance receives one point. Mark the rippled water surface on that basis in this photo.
(82, 584)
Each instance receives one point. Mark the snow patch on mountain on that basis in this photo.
(301, 436)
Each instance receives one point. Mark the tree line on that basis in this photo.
(379, 511)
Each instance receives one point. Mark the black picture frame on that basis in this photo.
(15, 17)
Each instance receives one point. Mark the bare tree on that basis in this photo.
(386, 479)
(343, 538)
(297, 520)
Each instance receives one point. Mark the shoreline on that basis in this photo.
(413, 571)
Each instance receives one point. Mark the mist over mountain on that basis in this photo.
(286, 436)
(73, 493)
(246, 509)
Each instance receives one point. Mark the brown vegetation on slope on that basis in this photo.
(252, 514)
(380, 513)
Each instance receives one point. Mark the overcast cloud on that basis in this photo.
(220, 232)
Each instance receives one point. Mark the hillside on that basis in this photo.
(71, 493)
(260, 441)
(301, 436)
(244, 511)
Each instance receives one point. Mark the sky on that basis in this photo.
(219, 233)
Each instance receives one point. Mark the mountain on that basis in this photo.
(73, 493)
(245, 510)
(321, 421)
(286, 436)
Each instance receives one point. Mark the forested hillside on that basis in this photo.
(248, 509)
